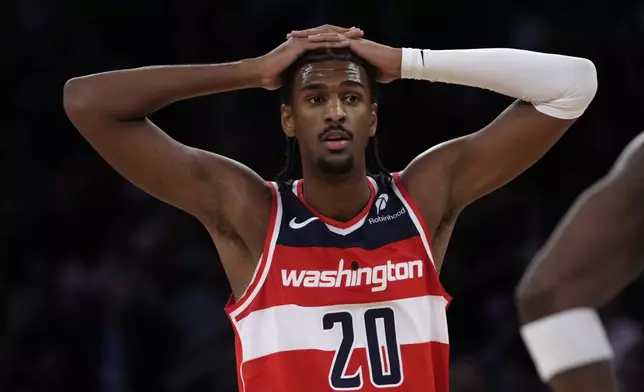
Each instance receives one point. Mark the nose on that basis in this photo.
(334, 112)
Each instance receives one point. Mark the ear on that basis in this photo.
(373, 126)
(287, 120)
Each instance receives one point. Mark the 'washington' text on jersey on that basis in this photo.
(379, 275)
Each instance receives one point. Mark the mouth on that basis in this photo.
(336, 140)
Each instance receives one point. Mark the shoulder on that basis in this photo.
(427, 181)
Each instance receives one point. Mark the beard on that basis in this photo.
(336, 165)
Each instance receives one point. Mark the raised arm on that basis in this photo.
(551, 90)
(596, 251)
(110, 110)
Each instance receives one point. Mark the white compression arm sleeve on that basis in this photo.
(558, 86)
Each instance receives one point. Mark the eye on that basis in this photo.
(352, 99)
(315, 100)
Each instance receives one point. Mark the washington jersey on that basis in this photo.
(343, 306)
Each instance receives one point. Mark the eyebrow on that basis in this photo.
(323, 86)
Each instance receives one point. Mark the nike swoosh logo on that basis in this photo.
(294, 225)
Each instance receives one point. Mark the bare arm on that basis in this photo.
(110, 110)
(488, 159)
(593, 254)
(446, 178)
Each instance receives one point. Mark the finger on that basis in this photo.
(329, 44)
(306, 33)
(354, 33)
(321, 29)
(327, 37)
(337, 29)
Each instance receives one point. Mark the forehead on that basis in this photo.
(331, 73)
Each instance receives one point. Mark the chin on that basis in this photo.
(336, 164)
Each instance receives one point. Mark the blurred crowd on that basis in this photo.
(103, 288)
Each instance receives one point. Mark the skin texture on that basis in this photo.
(595, 251)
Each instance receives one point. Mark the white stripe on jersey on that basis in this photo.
(291, 327)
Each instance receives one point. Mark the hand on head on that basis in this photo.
(319, 34)
(279, 59)
(383, 57)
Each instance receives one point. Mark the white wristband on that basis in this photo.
(566, 340)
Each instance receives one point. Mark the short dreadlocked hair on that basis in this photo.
(374, 163)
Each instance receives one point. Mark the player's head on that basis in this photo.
(329, 112)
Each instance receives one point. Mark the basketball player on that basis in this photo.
(335, 275)
(596, 250)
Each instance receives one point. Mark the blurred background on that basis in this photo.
(103, 288)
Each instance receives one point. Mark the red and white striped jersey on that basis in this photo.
(337, 306)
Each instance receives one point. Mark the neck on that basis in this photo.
(339, 198)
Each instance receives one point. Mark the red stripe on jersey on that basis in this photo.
(233, 305)
(333, 222)
(293, 269)
(309, 370)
